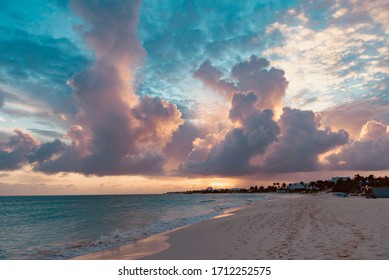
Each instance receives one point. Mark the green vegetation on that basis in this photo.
(356, 185)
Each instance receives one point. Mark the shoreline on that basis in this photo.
(314, 226)
(153, 244)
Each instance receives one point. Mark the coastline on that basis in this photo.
(298, 227)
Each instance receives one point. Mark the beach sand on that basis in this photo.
(298, 227)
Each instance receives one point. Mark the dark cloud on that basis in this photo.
(232, 155)
(243, 70)
(252, 75)
(22, 148)
(369, 152)
(212, 77)
(301, 142)
(4, 136)
(182, 142)
(268, 85)
(261, 145)
(251, 110)
(242, 105)
(15, 152)
(46, 151)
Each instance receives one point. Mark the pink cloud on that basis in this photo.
(116, 132)
(369, 152)
(301, 142)
(254, 75)
(353, 116)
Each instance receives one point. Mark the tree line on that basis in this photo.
(356, 184)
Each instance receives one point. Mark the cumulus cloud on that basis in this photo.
(254, 75)
(242, 105)
(212, 77)
(373, 130)
(301, 142)
(116, 131)
(268, 84)
(261, 145)
(46, 151)
(254, 91)
(14, 153)
(181, 143)
(22, 148)
(230, 154)
(369, 152)
(353, 116)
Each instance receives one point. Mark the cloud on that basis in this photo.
(369, 152)
(242, 105)
(212, 77)
(231, 154)
(373, 130)
(22, 149)
(116, 131)
(159, 120)
(376, 9)
(178, 34)
(252, 75)
(181, 143)
(46, 133)
(352, 116)
(329, 53)
(119, 108)
(260, 145)
(300, 143)
(46, 151)
(15, 152)
(268, 85)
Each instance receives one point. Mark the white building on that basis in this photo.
(296, 186)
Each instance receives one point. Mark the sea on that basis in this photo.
(62, 227)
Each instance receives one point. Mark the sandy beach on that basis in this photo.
(298, 227)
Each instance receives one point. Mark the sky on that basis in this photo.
(100, 97)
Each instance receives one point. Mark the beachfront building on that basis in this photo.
(301, 187)
(297, 187)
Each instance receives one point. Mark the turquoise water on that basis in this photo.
(61, 227)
